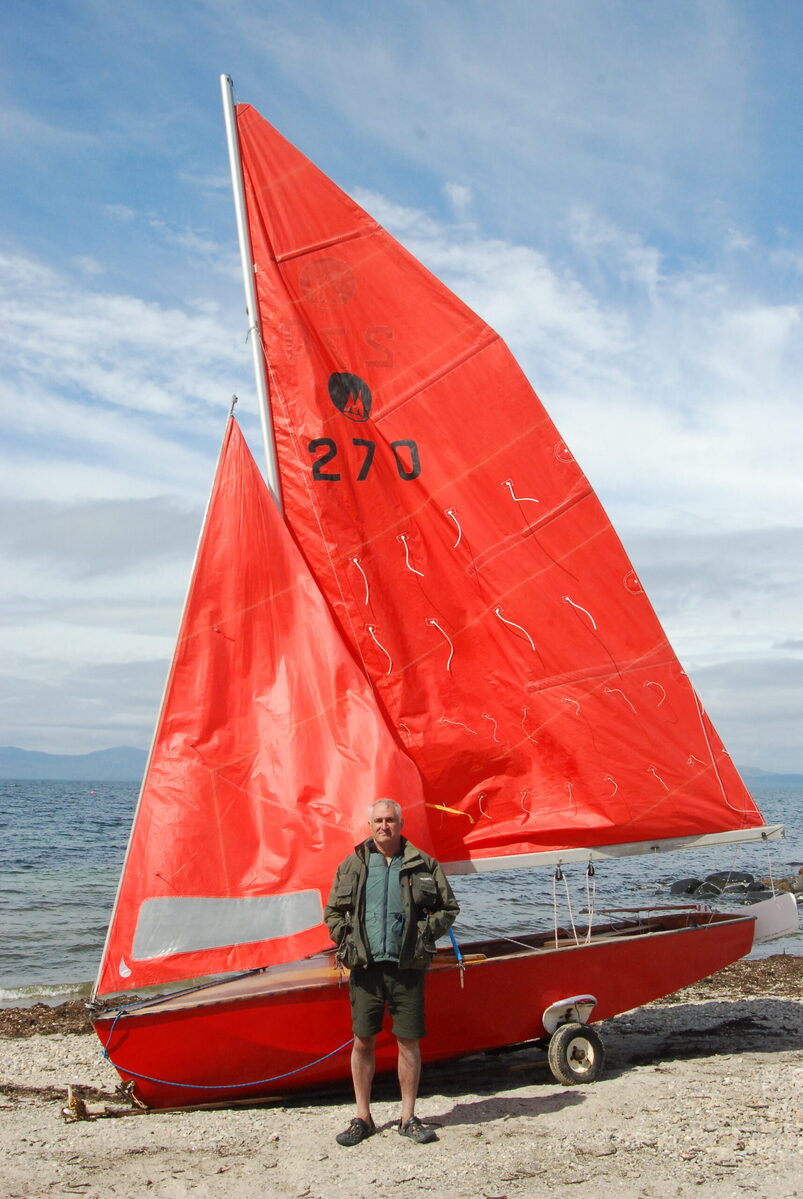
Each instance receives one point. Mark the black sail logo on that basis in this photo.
(351, 395)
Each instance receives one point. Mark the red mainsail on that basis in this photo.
(268, 752)
(468, 562)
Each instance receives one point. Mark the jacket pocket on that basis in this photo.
(425, 891)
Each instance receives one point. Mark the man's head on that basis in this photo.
(385, 822)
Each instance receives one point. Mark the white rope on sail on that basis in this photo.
(431, 621)
(513, 625)
(488, 716)
(618, 691)
(523, 728)
(520, 499)
(567, 599)
(653, 771)
(356, 562)
(708, 747)
(453, 514)
(572, 803)
(372, 630)
(652, 683)
(458, 724)
(402, 537)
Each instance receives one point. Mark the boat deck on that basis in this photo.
(321, 970)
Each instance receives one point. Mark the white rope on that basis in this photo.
(371, 629)
(652, 770)
(617, 691)
(458, 724)
(609, 779)
(569, 908)
(651, 683)
(555, 878)
(482, 795)
(434, 623)
(568, 600)
(523, 729)
(356, 562)
(487, 716)
(513, 625)
(452, 512)
(567, 699)
(402, 537)
(520, 499)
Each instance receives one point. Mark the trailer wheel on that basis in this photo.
(576, 1054)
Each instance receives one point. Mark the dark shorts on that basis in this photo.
(373, 988)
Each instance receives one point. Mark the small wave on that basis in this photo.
(49, 993)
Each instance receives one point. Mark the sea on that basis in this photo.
(62, 846)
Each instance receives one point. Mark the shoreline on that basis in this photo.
(701, 1095)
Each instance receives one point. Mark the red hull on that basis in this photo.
(275, 1032)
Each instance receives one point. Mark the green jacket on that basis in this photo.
(430, 907)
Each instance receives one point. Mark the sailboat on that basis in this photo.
(427, 603)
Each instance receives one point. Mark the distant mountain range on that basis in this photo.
(754, 774)
(125, 764)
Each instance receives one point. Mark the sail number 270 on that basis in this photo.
(325, 450)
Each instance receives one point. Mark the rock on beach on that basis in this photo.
(702, 1095)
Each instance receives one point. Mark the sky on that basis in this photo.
(613, 185)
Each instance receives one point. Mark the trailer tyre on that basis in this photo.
(576, 1054)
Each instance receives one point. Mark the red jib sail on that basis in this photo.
(464, 553)
(268, 752)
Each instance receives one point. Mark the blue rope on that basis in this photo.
(456, 947)
(197, 1086)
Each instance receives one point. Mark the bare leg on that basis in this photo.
(409, 1075)
(362, 1073)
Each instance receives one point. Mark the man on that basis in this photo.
(388, 906)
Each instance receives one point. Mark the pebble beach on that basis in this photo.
(702, 1095)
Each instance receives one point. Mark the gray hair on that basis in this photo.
(385, 803)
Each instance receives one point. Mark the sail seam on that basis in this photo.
(488, 339)
(500, 547)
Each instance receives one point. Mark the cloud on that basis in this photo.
(112, 395)
(91, 539)
(757, 706)
(538, 102)
(120, 698)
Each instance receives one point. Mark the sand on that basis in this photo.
(702, 1095)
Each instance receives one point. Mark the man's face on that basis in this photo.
(386, 828)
